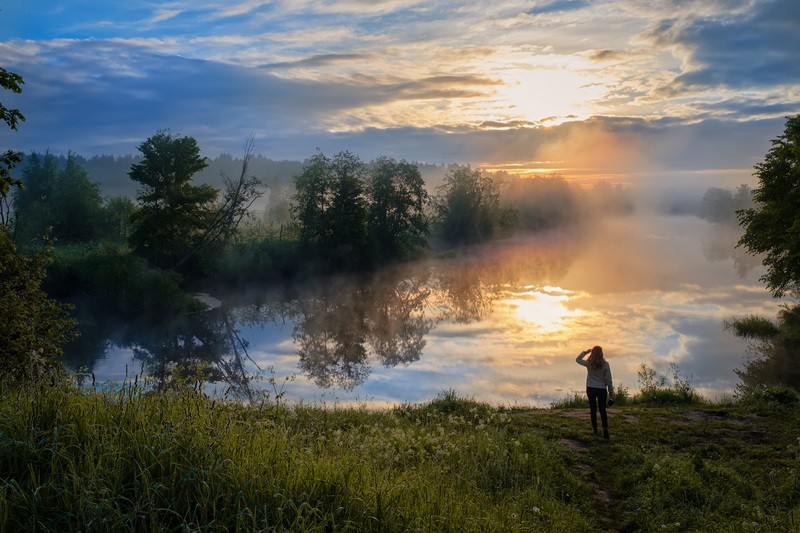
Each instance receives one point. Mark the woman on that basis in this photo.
(597, 379)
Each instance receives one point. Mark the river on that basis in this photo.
(500, 323)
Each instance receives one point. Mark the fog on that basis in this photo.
(501, 322)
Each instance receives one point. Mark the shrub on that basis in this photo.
(115, 281)
(771, 397)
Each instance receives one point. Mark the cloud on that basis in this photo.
(318, 61)
(555, 6)
(605, 55)
(746, 49)
(164, 14)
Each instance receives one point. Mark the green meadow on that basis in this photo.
(83, 459)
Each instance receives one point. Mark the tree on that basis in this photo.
(331, 208)
(397, 200)
(543, 202)
(240, 194)
(775, 350)
(34, 327)
(721, 205)
(62, 202)
(117, 212)
(772, 227)
(173, 214)
(467, 207)
(77, 205)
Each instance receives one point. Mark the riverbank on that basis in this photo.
(87, 460)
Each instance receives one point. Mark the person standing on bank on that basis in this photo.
(598, 379)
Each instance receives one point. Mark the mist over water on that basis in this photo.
(502, 322)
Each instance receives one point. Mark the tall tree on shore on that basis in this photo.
(173, 213)
(397, 200)
(772, 227)
(34, 327)
(331, 209)
(467, 207)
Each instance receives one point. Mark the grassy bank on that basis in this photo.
(93, 461)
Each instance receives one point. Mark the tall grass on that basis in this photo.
(126, 460)
(132, 459)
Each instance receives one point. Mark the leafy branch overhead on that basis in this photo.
(12, 82)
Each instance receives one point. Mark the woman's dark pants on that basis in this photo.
(598, 396)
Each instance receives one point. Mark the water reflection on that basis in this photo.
(720, 244)
(499, 322)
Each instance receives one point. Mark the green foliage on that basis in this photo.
(397, 201)
(622, 397)
(574, 400)
(331, 210)
(772, 227)
(260, 252)
(77, 205)
(61, 199)
(467, 208)
(173, 214)
(752, 327)
(775, 350)
(12, 82)
(114, 281)
(770, 398)
(116, 218)
(34, 326)
(659, 390)
(129, 458)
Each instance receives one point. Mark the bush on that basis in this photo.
(771, 397)
(34, 327)
(115, 281)
(658, 390)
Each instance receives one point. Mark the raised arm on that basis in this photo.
(580, 357)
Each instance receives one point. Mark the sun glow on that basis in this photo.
(544, 308)
(548, 95)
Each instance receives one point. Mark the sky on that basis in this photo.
(671, 90)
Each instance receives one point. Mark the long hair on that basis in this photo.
(596, 357)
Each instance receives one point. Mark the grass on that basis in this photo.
(128, 460)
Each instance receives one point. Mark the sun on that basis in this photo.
(548, 94)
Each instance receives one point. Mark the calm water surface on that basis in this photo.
(502, 323)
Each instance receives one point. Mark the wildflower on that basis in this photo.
(536, 510)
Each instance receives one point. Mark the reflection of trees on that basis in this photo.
(330, 334)
(206, 340)
(465, 297)
(719, 244)
(342, 328)
(338, 328)
(397, 323)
